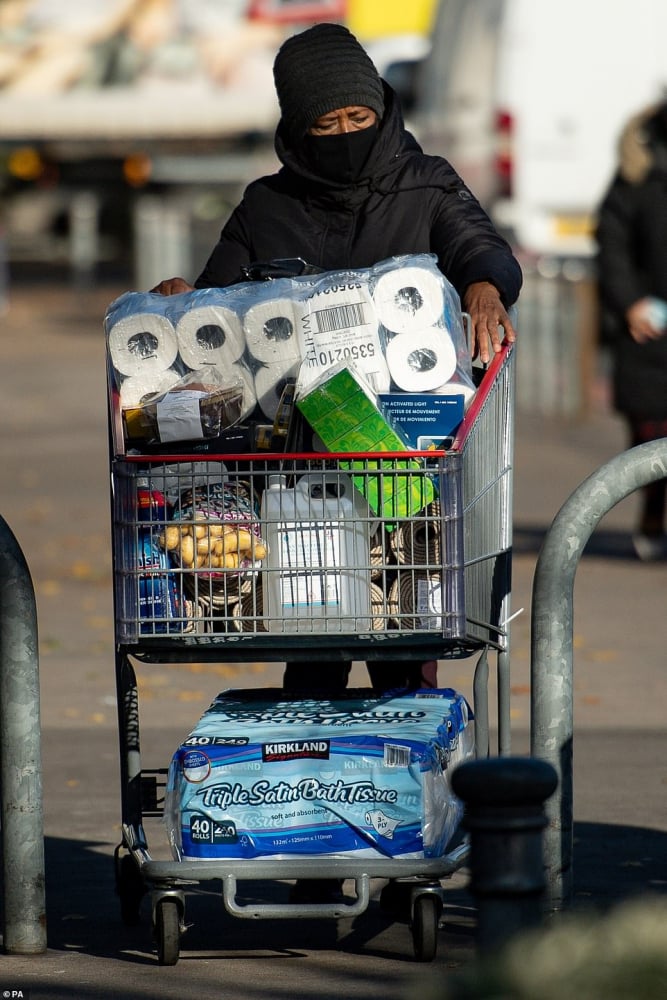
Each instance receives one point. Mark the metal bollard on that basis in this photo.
(552, 642)
(504, 814)
(20, 756)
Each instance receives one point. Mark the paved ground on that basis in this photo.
(54, 496)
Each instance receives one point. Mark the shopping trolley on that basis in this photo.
(421, 570)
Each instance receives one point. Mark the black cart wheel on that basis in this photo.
(425, 919)
(130, 888)
(167, 931)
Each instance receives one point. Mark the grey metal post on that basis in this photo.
(162, 240)
(20, 755)
(552, 722)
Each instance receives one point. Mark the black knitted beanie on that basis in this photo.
(322, 69)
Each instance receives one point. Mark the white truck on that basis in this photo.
(527, 99)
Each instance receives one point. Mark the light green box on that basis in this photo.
(344, 415)
(391, 495)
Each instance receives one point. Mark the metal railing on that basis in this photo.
(558, 319)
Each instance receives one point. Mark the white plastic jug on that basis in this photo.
(317, 577)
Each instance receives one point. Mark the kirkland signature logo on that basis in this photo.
(296, 750)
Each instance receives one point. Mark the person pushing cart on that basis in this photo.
(354, 189)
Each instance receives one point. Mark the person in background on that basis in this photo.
(632, 279)
(355, 188)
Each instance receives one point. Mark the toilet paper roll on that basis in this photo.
(420, 363)
(270, 381)
(458, 389)
(213, 335)
(270, 329)
(142, 342)
(271, 337)
(210, 335)
(136, 387)
(408, 299)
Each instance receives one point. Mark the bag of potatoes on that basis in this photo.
(215, 530)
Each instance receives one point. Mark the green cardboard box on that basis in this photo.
(342, 410)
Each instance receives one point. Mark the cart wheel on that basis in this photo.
(130, 888)
(425, 919)
(167, 931)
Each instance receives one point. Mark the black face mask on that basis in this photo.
(341, 157)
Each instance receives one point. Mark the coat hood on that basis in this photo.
(643, 144)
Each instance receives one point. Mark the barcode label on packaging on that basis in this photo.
(396, 756)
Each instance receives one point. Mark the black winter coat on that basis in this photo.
(404, 202)
(632, 263)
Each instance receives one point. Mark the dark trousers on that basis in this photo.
(385, 675)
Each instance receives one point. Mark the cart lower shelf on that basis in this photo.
(416, 883)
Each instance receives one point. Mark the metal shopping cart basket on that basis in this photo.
(421, 571)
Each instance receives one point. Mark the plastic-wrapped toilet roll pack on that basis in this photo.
(355, 777)
(398, 322)
(419, 314)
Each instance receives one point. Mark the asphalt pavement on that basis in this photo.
(54, 495)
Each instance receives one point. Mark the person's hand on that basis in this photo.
(640, 322)
(487, 313)
(173, 286)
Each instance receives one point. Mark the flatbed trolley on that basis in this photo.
(457, 546)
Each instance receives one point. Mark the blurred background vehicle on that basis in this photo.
(130, 126)
(527, 98)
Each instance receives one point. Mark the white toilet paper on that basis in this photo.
(271, 334)
(408, 299)
(271, 337)
(136, 387)
(458, 389)
(213, 335)
(210, 335)
(337, 325)
(421, 363)
(141, 343)
(269, 387)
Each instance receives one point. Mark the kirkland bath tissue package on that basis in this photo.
(399, 322)
(357, 776)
